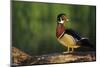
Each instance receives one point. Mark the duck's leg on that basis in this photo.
(68, 49)
(72, 49)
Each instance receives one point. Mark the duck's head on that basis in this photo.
(61, 18)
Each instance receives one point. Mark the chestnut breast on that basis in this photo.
(59, 30)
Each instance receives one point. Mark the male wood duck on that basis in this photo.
(68, 37)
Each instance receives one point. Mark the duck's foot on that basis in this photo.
(67, 52)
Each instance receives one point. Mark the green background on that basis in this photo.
(34, 25)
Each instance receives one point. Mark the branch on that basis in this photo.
(24, 59)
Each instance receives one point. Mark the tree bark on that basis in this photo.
(21, 58)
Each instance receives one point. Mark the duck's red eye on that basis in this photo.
(64, 17)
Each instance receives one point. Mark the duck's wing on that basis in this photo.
(80, 40)
(73, 33)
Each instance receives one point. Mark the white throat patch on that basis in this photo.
(61, 21)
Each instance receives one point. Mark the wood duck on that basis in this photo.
(68, 37)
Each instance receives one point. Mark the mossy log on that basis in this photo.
(21, 58)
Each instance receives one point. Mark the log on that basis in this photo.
(25, 59)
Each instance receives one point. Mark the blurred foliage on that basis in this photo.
(34, 25)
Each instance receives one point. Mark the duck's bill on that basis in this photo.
(67, 20)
